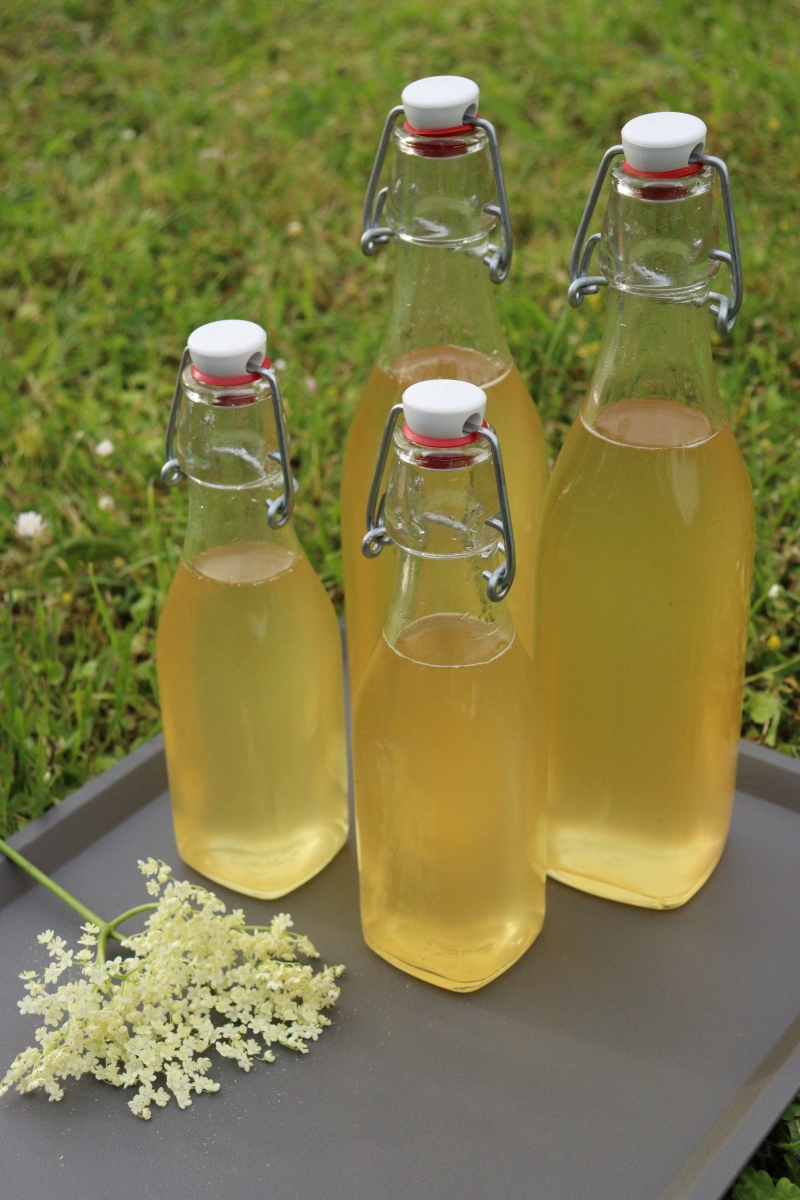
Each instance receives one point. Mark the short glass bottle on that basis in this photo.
(248, 648)
(448, 729)
(645, 566)
(442, 323)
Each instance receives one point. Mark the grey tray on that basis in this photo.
(630, 1055)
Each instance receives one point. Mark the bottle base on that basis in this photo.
(445, 981)
(610, 891)
(263, 876)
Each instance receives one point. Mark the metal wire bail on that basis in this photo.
(171, 473)
(280, 509)
(498, 259)
(499, 581)
(376, 536)
(581, 283)
(375, 235)
(726, 308)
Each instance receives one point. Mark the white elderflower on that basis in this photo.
(197, 978)
(31, 526)
(105, 448)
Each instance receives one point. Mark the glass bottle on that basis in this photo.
(646, 549)
(248, 648)
(443, 323)
(448, 727)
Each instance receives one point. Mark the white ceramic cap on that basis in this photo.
(440, 102)
(662, 141)
(440, 408)
(224, 348)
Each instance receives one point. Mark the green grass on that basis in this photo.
(165, 164)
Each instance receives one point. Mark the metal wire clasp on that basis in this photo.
(726, 308)
(375, 235)
(499, 581)
(171, 473)
(376, 536)
(280, 509)
(582, 284)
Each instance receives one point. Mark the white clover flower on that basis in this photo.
(105, 448)
(197, 978)
(106, 503)
(280, 364)
(31, 526)
(774, 591)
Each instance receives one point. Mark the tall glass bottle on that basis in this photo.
(248, 649)
(448, 728)
(442, 324)
(646, 549)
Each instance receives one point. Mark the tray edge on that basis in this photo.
(726, 1149)
(84, 816)
(769, 775)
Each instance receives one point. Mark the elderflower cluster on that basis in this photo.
(197, 977)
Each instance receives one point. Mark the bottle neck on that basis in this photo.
(226, 436)
(442, 296)
(438, 194)
(231, 516)
(655, 349)
(227, 447)
(658, 235)
(437, 504)
(426, 588)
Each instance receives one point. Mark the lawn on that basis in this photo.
(166, 164)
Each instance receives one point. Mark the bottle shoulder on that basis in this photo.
(600, 471)
(452, 642)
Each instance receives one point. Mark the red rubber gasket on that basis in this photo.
(692, 169)
(441, 443)
(226, 380)
(454, 129)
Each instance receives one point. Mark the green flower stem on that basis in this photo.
(132, 912)
(109, 928)
(53, 887)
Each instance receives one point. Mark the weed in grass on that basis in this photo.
(774, 1172)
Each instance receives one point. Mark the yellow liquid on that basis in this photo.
(368, 583)
(450, 801)
(250, 675)
(644, 584)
